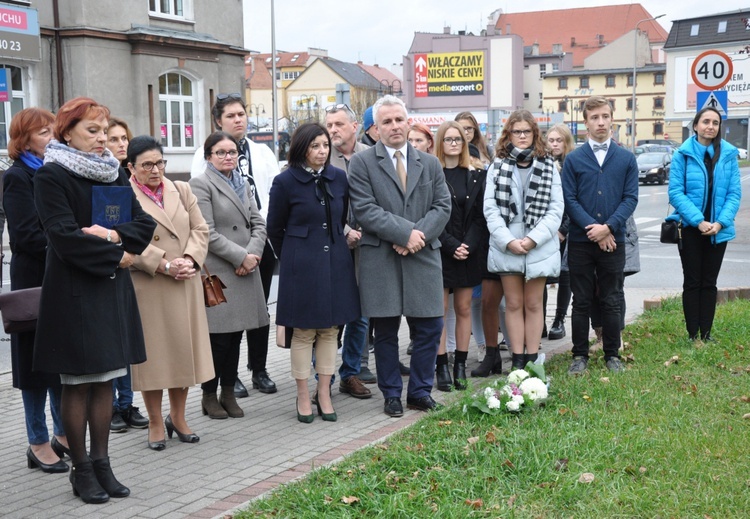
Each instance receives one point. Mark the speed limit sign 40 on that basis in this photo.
(711, 70)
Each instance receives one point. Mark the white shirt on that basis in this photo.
(601, 153)
(392, 151)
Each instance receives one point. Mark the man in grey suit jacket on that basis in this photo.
(400, 199)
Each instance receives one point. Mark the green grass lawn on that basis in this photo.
(658, 440)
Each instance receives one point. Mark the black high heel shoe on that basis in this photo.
(60, 449)
(84, 482)
(54, 468)
(184, 438)
(105, 477)
(158, 445)
(327, 417)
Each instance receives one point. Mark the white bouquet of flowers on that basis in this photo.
(522, 389)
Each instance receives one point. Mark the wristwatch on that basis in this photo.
(166, 268)
(109, 235)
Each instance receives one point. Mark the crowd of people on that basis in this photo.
(441, 229)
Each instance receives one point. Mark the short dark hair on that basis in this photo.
(213, 139)
(301, 140)
(222, 101)
(142, 144)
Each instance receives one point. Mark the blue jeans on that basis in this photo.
(355, 339)
(34, 401)
(122, 392)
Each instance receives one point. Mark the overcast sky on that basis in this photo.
(381, 31)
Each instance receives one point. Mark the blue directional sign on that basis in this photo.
(714, 99)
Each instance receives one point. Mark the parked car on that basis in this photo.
(662, 142)
(658, 148)
(654, 167)
(742, 153)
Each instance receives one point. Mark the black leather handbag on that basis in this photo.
(671, 232)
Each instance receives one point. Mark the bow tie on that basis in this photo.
(600, 147)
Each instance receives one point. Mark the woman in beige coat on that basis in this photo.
(170, 298)
(237, 236)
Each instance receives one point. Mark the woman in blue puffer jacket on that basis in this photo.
(704, 189)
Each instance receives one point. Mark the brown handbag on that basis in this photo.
(20, 309)
(213, 289)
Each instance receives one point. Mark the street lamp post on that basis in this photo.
(548, 111)
(635, 65)
(305, 99)
(258, 108)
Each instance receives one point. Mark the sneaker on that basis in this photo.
(410, 348)
(503, 345)
(366, 376)
(354, 387)
(578, 366)
(614, 364)
(481, 351)
(117, 425)
(133, 418)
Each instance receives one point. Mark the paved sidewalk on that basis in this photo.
(235, 461)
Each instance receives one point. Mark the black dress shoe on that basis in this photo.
(262, 382)
(393, 407)
(403, 369)
(60, 449)
(53, 468)
(240, 391)
(443, 378)
(425, 403)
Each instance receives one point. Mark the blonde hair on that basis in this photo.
(464, 160)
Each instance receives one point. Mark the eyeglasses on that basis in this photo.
(223, 153)
(468, 129)
(159, 164)
(521, 133)
(453, 140)
(332, 109)
(233, 95)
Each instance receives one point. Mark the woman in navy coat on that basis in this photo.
(308, 207)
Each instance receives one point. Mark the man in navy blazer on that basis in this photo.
(600, 188)
(401, 201)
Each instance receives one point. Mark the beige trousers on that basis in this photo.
(325, 341)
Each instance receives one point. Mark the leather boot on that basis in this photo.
(558, 327)
(107, 480)
(489, 363)
(229, 402)
(443, 376)
(211, 407)
(530, 357)
(518, 360)
(459, 375)
(84, 482)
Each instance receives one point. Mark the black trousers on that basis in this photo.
(257, 339)
(225, 350)
(701, 263)
(590, 266)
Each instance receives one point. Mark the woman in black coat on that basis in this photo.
(30, 131)
(307, 210)
(89, 327)
(460, 249)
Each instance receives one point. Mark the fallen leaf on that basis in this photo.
(474, 503)
(677, 377)
(490, 437)
(642, 470)
(746, 416)
(472, 440)
(327, 499)
(745, 398)
(544, 485)
(604, 379)
(586, 477)
(349, 500)
(509, 464)
(444, 423)
(511, 500)
(587, 398)
(382, 446)
(694, 389)
(674, 360)
(561, 464)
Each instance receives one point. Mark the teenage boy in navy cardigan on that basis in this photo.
(600, 188)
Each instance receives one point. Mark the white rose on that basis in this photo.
(534, 388)
(518, 398)
(488, 392)
(517, 376)
(512, 406)
(493, 403)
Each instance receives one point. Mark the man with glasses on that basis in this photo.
(400, 199)
(341, 123)
(258, 165)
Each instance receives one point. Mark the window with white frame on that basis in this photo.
(290, 75)
(722, 26)
(172, 8)
(542, 70)
(12, 102)
(177, 103)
